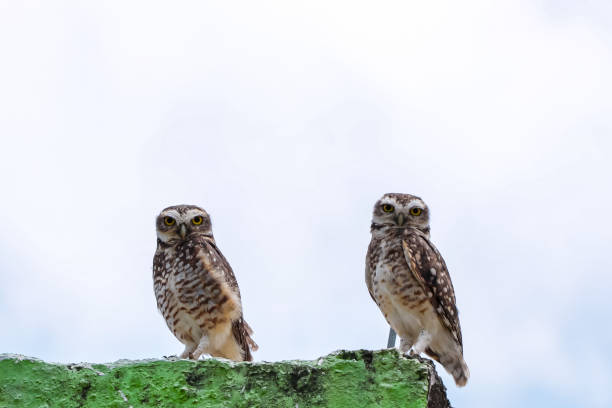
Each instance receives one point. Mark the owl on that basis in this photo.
(408, 279)
(195, 287)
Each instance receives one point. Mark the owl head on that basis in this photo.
(179, 222)
(396, 210)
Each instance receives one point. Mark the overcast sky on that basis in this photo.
(286, 122)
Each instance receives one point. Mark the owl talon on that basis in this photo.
(405, 346)
(187, 353)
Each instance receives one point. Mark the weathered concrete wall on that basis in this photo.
(343, 379)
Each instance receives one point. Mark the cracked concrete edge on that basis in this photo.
(437, 397)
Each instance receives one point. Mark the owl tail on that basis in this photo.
(242, 334)
(249, 340)
(454, 364)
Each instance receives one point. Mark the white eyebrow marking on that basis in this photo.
(389, 200)
(171, 213)
(415, 203)
(193, 212)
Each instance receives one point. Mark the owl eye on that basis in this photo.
(197, 220)
(415, 211)
(169, 221)
(388, 208)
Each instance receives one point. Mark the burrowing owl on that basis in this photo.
(195, 287)
(408, 280)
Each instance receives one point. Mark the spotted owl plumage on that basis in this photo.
(409, 281)
(195, 287)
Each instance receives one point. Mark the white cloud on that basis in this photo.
(287, 122)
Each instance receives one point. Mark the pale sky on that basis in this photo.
(286, 122)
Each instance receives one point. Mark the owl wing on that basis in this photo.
(240, 328)
(429, 269)
(368, 279)
(369, 267)
(226, 269)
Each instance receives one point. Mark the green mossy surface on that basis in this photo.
(352, 379)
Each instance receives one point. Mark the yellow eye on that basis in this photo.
(169, 221)
(415, 211)
(388, 208)
(197, 220)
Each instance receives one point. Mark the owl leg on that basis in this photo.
(405, 344)
(230, 349)
(202, 347)
(422, 342)
(188, 350)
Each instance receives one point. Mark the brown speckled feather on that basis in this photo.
(240, 328)
(429, 269)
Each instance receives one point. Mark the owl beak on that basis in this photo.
(183, 231)
(400, 219)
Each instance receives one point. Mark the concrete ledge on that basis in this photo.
(351, 379)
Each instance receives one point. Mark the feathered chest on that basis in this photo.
(392, 279)
(181, 274)
(190, 278)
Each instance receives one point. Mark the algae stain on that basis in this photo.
(348, 355)
(306, 385)
(195, 377)
(145, 399)
(304, 380)
(259, 375)
(84, 392)
(368, 358)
